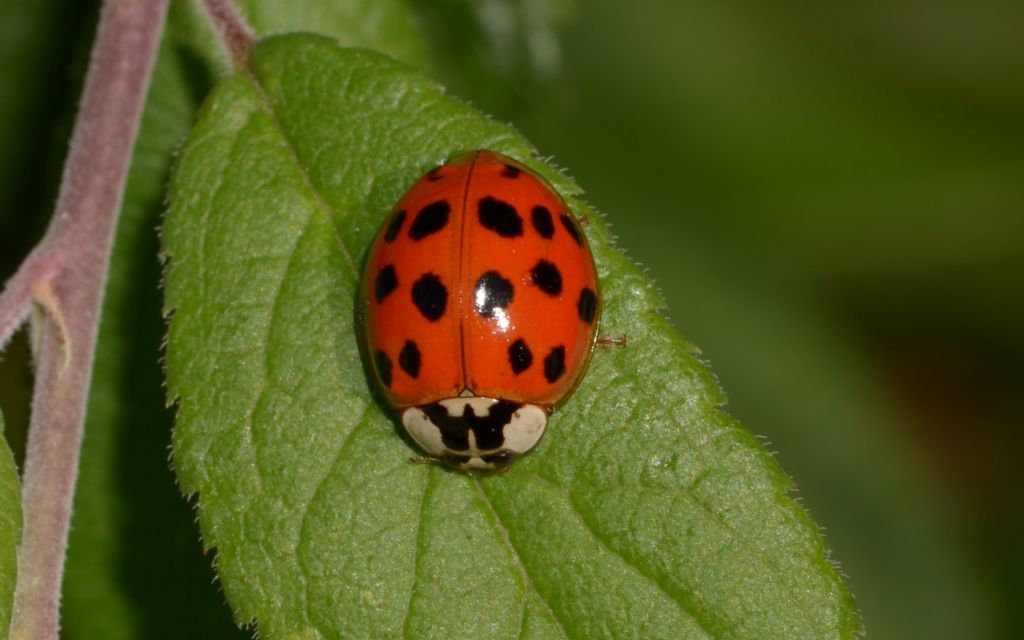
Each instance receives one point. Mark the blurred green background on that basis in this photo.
(830, 195)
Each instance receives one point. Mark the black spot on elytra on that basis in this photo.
(430, 296)
(547, 276)
(431, 219)
(383, 367)
(409, 359)
(570, 225)
(554, 364)
(541, 218)
(488, 429)
(519, 356)
(587, 305)
(492, 292)
(500, 217)
(510, 171)
(385, 283)
(394, 226)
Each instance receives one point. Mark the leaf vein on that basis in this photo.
(204, 227)
(517, 559)
(322, 205)
(636, 569)
(417, 547)
(776, 572)
(303, 519)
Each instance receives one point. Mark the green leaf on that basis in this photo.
(646, 512)
(383, 25)
(10, 530)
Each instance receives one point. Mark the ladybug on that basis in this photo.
(481, 308)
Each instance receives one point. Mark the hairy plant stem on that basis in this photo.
(64, 279)
(233, 33)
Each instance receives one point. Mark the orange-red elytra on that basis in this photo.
(481, 308)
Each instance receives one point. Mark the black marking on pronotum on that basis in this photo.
(587, 305)
(430, 296)
(541, 218)
(554, 364)
(570, 226)
(519, 356)
(454, 433)
(488, 429)
(500, 217)
(409, 359)
(547, 276)
(492, 292)
(383, 367)
(385, 283)
(431, 219)
(455, 459)
(511, 171)
(500, 459)
(394, 226)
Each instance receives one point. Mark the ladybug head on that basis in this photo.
(475, 433)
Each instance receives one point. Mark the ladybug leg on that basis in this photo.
(612, 341)
(483, 473)
(583, 220)
(424, 460)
